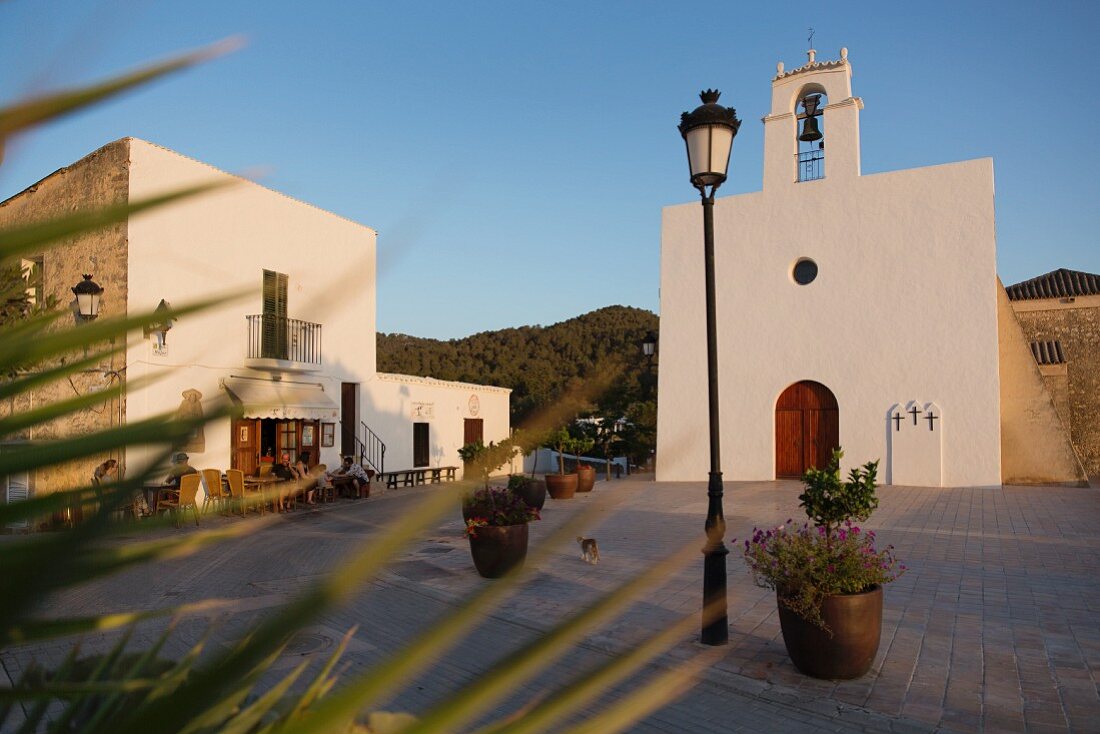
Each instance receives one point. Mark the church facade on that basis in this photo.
(838, 303)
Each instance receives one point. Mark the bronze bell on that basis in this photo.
(810, 131)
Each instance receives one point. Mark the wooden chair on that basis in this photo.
(237, 493)
(212, 482)
(187, 497)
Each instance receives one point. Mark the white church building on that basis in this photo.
(852, 310)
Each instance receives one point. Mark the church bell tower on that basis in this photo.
(812, 105)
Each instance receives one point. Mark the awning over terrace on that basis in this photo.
(263, 398)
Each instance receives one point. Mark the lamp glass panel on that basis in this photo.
(94, 305)
(720, 143)
(84, 303)
(698, 146)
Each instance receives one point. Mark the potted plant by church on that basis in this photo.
(560, 486)
(496, 524)
(586, 474)
(827, 574)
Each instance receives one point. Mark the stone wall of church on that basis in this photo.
(97, 180)
(1035, 441)
(1076, 324)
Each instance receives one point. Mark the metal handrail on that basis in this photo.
(373, 449)
(277, 337)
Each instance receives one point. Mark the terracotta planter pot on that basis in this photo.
(856, 623)
(561, 486)
(586, 478)
(498, 549)
(534, 495)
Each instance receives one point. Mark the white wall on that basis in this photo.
(398, 401)
(219, 243)
(903, 307)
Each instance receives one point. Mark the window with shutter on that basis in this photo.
(274, 344)
(17, 489)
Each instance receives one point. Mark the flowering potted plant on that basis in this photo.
(496, 524)
(828, 576)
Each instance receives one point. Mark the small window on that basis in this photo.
(804, 271)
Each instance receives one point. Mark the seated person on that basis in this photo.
(285, 473)
(103, 471)
(351, 475)
(179, 468)
(309, 485)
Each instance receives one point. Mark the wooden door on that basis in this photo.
(286, 440)
(421, 453)
(473, 430)
(246, 445)
(807, 428)
(788, 443)
(309, 440)
(349, 421)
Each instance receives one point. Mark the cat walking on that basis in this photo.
(590, 550)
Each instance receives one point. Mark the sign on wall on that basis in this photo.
(423, 410)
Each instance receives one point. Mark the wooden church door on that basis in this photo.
(807, 428)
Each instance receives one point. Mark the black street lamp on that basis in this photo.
(708, 133)
(87, 294)
(649, 346)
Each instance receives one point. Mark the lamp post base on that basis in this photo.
(715, 617)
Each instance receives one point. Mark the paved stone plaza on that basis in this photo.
(994, 626)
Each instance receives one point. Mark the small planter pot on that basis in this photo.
(498, 549)
(561, 486)
(534, 494)
(586, 478)
(856, 624)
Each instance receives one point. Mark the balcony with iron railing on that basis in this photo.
(276, 342)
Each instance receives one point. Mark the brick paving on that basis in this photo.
(993, 628)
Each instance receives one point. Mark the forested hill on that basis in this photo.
(537, 362)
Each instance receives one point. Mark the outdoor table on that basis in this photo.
(261, 483)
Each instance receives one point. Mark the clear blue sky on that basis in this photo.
(514, 156)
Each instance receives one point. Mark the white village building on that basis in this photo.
(852, 310)
(295, 350)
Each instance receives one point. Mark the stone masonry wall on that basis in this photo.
(1076, 324)
(97, 180)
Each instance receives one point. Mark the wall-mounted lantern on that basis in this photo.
(87, 294)
(159, 329)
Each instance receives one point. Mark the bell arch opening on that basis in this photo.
(810, 132)
(807, 428)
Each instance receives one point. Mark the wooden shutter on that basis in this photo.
(18, 490)
(275, 325)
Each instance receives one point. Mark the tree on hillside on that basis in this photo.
(542, 364)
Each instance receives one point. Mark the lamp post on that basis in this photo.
(708, 132)
(87, 294)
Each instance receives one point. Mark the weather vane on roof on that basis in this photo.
(810, 40)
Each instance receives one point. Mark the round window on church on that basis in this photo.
(804, 271)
